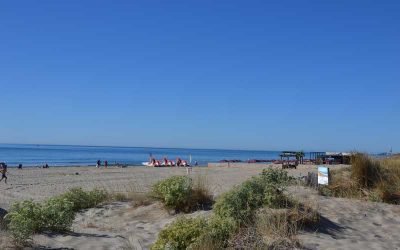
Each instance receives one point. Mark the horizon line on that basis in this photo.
(157, 147)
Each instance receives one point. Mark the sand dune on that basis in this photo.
(345, 224)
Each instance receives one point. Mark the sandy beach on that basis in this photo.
(38, 183)
(345, 224)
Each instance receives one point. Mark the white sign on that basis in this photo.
(323, 175)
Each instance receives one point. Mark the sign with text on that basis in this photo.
(323, 175)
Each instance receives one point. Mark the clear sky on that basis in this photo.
(311, 75)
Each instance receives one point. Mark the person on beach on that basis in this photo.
(3, 169)
(105, 164)
(98, 164)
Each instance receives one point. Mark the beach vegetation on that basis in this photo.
(182, 194)
(132, 193)
(136, 198)
(217, 233)
(372, 179)
(181, 234)
(27, 218)
(82, 199)
(237, 214)
(241, 202)
(54, 215)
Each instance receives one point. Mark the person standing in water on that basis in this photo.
(98, 164)
(3, 169)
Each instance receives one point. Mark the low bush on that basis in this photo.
(82, 199)
(196, 234)
(218, 231)
(174, 192)
(276, 177)
(241, 202)
(55, 214)
(180, 193)
(28, 217)
(236, 215)
(24, 219)
(181, 234)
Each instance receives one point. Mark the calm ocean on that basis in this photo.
(35, 155)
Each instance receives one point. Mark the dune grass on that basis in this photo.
(367, 178)
(247, 217)
(55, 214)
(182, 193)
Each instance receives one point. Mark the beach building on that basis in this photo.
(335, 158)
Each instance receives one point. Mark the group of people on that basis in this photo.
(3, 170)
(98, 164)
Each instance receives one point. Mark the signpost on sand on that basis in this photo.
(323, 175)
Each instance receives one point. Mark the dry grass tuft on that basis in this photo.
(132, 194)
(247, 238)
(201, 194)
(368, 178)
(137, 199)
(132, 243)
(277, 229)
(367, 172)
(183, 193)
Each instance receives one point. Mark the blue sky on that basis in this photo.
(312, 75)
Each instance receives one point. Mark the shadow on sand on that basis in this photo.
(75, 234)
(326, 226)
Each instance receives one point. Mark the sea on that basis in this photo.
(66, 155)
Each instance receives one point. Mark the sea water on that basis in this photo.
(59, 155)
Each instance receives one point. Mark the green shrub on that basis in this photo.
(275, 198)
(179, 193)
(241, 202)
(174, 191)
(27, 218)
(195, 233)
(275, 181)
(218, 232)
(55, 214)
(181, 234)
(277, 177)
(84, 199)
(232, 210)
(24, 220)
